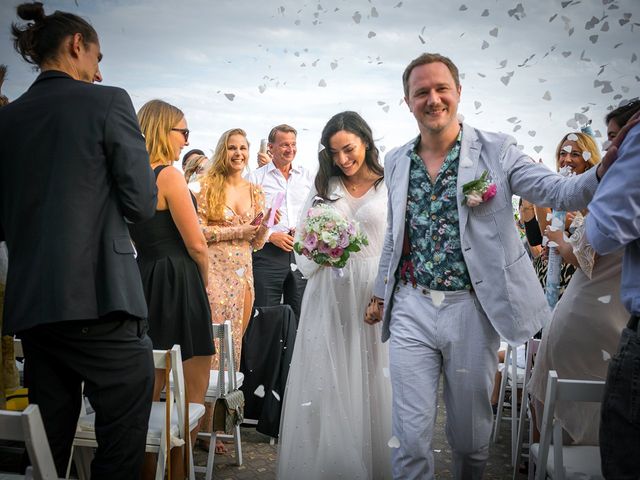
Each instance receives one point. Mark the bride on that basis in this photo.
(337, 408)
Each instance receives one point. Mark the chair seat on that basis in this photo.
(586, 458)
(212, 391)
(86, 423)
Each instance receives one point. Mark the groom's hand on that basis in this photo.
(373, 313)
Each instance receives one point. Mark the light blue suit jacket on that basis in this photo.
(501, 272)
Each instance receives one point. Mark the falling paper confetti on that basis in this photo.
(293, 266)
(371, 34)
(437, 297)
(572, 137)
(322, 83)
(547, 95)
(275, 394)
(259, 392)
(230, 96)
(606, 356)
(604, 299)
(586, 155)
(394, 442)
(385, 372)
(306, 404)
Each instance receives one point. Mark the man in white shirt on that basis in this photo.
(274, 272)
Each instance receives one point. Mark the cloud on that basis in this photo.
(273, 58)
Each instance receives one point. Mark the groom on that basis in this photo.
(455, 278)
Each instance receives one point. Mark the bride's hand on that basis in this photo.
(373, 313)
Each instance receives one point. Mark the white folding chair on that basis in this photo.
(221, 382)
(27, 427)
(525, 410)
(559, 461)
(172, 412)
(512, 378)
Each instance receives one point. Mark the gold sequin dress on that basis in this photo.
(230, 270)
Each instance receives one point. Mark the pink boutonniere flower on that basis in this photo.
(478, 191)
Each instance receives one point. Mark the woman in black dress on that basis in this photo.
(172, 255)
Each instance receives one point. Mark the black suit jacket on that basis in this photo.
(73, 165)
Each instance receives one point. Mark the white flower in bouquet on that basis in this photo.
(327, 237)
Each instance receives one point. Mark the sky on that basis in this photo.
(536, 69)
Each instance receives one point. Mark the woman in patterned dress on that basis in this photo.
(229, 209)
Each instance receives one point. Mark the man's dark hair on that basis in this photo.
(623, 113)
(189, 153)
(39, 40)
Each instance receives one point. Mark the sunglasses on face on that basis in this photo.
(183, 131)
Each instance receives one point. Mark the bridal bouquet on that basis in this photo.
(327, 237)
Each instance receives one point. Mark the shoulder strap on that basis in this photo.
(158, 169)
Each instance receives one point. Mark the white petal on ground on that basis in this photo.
(259, 392)
(394, 442)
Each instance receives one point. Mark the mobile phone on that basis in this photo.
(258, 219)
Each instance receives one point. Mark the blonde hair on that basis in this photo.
(214, 178)
(157, 118)
(586, 144)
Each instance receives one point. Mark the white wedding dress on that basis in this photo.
(336, 419)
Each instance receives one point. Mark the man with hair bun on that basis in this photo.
(74, 294)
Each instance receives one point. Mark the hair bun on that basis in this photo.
(31, 11)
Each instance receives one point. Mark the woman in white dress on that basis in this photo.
(336, 419)
(588, 320)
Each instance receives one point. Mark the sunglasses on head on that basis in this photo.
(183, 131)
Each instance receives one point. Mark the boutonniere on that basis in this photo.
(478, 191)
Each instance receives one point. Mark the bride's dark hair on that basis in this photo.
(353, 123)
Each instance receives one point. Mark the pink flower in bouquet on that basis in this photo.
(324, 248)
(351, 229)
(343, 241)
(490, 192)
(336, 252)
(310, 241)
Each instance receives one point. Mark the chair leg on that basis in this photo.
(521, 425)
(211, 455)
(238, 444)
(503, 386)
(514, 405)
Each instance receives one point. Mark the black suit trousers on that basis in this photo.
(113, 357)
(275, 279)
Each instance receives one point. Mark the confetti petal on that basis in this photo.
(573, 138)
(604, 299)
(240, 272)
(538, 148)
(322, 83)
(385, 372)
(259, 392)
(437, 297)
(293, 266)
(275, 394)
(230, 96)
(394, 442)
(466, 162)
(371, 34)
(305, 404)
(586, 156)
(546, 96)
(606, 356)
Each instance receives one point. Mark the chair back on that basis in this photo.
(27, 427)
(561, 390)
(171, 362)
(222, 332)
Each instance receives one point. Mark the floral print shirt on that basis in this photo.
(432, 254)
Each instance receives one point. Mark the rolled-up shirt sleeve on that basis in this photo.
(614, 213)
